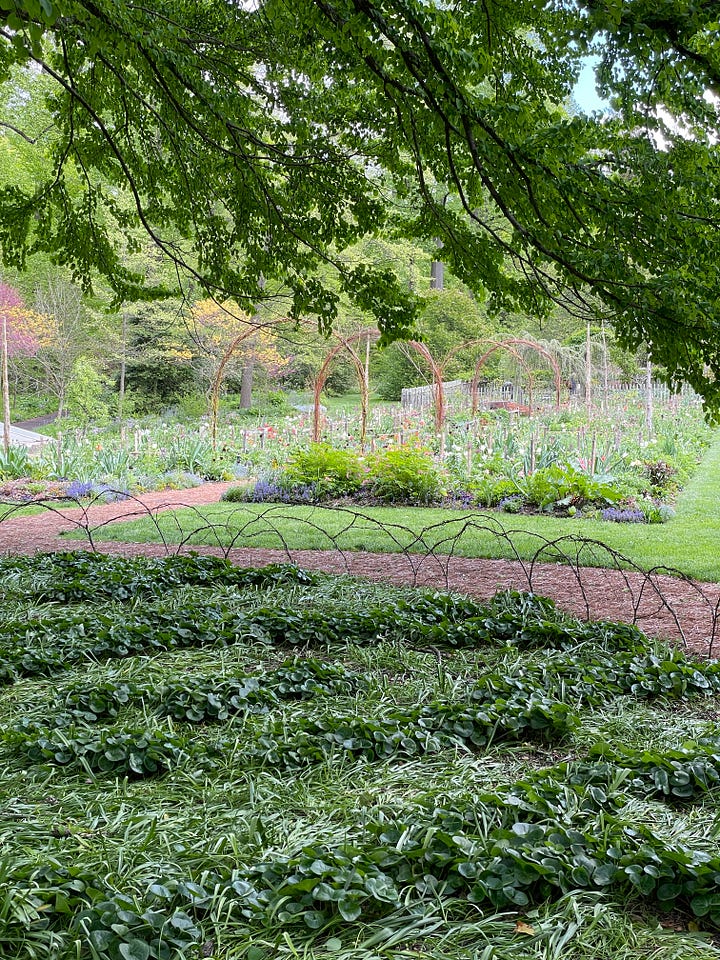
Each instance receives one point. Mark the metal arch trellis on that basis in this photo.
(345, 343)
(250, 331)
(510, 345)
(437, 369)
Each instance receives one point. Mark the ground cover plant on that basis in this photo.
(204, 761)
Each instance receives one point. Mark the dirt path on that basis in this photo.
(660, 605)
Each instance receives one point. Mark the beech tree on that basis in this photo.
(260, 140)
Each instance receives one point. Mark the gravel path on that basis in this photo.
(660, 605)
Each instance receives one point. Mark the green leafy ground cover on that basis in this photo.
(688, 542)
(200, 761)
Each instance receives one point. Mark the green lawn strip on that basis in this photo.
(687, 543)
(11, 511)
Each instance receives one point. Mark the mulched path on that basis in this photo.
(660, 605)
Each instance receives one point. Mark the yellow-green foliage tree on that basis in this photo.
(226, 336)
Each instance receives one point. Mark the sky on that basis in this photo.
(585, 93)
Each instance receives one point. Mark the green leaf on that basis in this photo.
(349, 909)
(134, 950)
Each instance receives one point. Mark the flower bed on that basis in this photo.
(554, 462)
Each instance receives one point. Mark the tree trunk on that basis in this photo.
(246, 384)
(437, 275)
(649, 406)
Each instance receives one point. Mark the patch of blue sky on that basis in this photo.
(585, 94)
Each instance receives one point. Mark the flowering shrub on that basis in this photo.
(620, 515)
(79, 489)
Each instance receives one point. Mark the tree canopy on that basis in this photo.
(255, 142)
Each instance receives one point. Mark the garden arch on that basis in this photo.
(249, 331)
(369, 335)
(511, 345)
(438, 371)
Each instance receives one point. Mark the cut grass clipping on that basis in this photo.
(204, 761)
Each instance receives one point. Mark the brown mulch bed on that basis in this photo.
(660, 605)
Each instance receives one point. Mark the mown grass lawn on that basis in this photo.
(199, 762)
(688, 543)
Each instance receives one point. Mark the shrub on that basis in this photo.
(618, 515)
(405, 475)
(331, 472)
(564, 486)
(278, 400)
(79, 489)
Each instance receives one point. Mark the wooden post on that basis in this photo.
(121, 385)
(605, 369)
(5, 387)
(649, 405)
(588, 372)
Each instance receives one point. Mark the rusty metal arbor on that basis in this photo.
(438, 369)
(511, 346)
(216, 384)
(347, 344)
